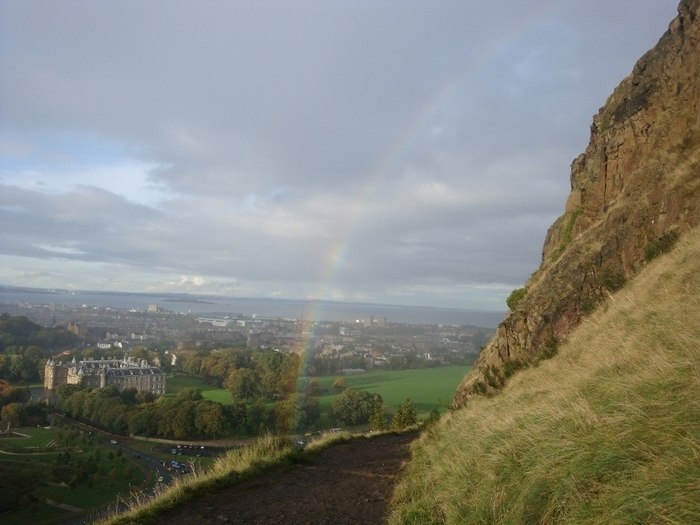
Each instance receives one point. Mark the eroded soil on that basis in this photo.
(350, 483)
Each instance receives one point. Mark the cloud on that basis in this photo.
(411, 153)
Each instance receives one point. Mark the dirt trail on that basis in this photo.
(349, 483)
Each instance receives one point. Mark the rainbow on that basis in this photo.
(390, 162)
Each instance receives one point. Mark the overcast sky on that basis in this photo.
(401, 152)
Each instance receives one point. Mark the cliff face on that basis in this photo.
(634, 190)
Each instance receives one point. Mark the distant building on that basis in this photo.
(99, 373)
(215, 321)
(78, 329)
(371, 321)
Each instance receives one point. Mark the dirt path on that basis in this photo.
(349, 483)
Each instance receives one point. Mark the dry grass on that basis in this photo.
(608, 431)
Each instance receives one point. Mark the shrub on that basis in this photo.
(588, 305)
(377, 420)
(510, 367)
(406, 415)
(567, 233)
(612, 279)
(515, 297)
(661, 245)
(433, 417)
(493, 377)
(339, 384)
(548, 350)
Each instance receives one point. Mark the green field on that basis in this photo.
(176, 383)
(428, 388)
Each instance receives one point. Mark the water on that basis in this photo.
(249, 306)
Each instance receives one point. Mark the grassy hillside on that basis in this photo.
(607, 431)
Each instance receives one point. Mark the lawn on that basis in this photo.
(427, 388)
(176, 383)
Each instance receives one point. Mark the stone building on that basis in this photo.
(99, 373)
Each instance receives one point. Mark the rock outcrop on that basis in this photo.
(634, 191)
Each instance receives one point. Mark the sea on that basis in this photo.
(203, 305)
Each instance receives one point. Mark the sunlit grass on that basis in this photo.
(178, 382)
(606, 432)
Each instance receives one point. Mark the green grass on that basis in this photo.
(178, 382)
(428, 388)
(33, 459)
(36, 438)
(605, 432)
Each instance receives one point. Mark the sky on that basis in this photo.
(397, 152)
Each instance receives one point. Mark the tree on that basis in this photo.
(9, 415)
(33, 414)
(13, 394)
(142, 420)
(235, 417)
(378, 420)
(297, 413)
(209, 418)
(339, 384)
(189, 393)
(243, 384)
(312, 388)
(182, 424)
(405, 416)
(258, 417)
(353, 407)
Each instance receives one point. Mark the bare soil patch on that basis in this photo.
(350, 483)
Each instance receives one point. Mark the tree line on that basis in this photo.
(24, 347)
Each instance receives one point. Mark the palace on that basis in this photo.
(99, 373)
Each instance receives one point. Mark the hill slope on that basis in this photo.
(634, 190)
(607, 431)
(601, 422)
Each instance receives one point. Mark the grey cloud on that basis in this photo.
(372, 150)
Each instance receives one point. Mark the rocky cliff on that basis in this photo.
(634, 191)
